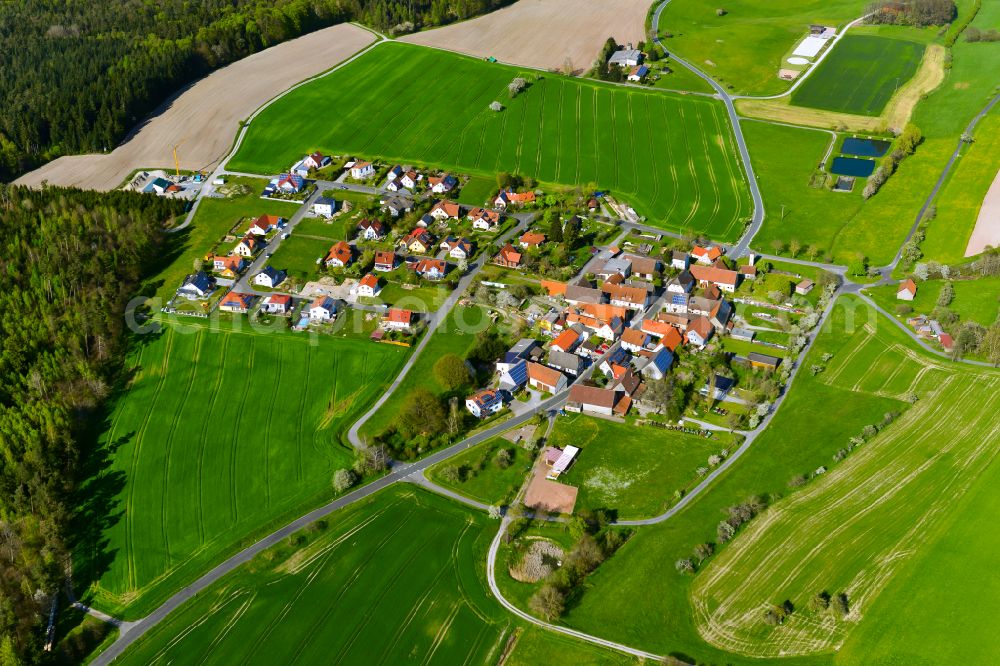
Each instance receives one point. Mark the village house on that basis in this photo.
(583, 291)
(325, 206)
(625, 57)
(279, 304)
(339, 255)
(509, 196)
(229, 266)
(316, 160)
(616, 266)
(484, 403)
(368, 286)
(514, 376)
(264, 224)
(197, 285)
(682, 284)
(300, 169)
(431, 269)
(720, 315)
(701, 307)
(718, 386)
(442, 184)
(565, 341)
(677, 303)
(592, 399)
(723, 278)
(290, 183)
(659, 364)
(362, 170)
(525, 349)
(392, 178)
(446, 210)
(508, 257)
(484, 219)
(371, 230)
(236, 302)
(566, 362)
(323, 308)
(531, 239)
(397, 206)
(645, 268)
(706, 255)
(544, 378)
(248, 246)
(634, 340)
(398, 320)
(747, 272)
(907, 290)
(418, 241)
(638, 73)
(269, 277)
(458, 248)
(627, 296)
(680, 260)
(699, 332)
(409, 179)
(385, 261)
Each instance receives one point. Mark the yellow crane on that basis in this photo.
(177, 164)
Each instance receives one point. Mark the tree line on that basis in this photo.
(918, 13)
(71, 260)
(76, 76)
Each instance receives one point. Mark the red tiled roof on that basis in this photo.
(340, 251)
(369, 281)
(566, 339)
(543, 373)
(714, 275)
(399, 316)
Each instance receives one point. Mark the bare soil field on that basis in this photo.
(548, 34)
(987, 231)
(203, 119)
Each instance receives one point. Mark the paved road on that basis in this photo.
(743, 245)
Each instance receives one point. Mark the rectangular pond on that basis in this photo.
(865, 147)
(852, 166)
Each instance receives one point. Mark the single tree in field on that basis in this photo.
(777, 246)
(684, 565)
(343, 479)
(703, 551)
(422, 413)
(548, 602)
(841, 605)
(946, 295)
(451, 372)
(794, 246)
(819, 602)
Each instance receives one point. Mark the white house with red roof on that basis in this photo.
(398, 319)
(236, 302)
(368, 286)
(323, 308)
(362, 170)
(279, 304)
(484, 403)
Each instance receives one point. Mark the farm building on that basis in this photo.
(545, 378)
(763, 361)
(626, 58)
(804, 287)
(638, 73)
(558, 464)
(907, 290)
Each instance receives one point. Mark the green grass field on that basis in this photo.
(860, 75)
(297, 255)
(743, 50)
(396, 579)
(482, 478)
(672, 156)
(975, 300)
(628, 470)
(855, 527)
(218, 435)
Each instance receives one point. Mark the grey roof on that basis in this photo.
(623, 56)
(580, 294)
(615, 265)
(565, 360)
(326, 200)
(200, 280)
(742, 333)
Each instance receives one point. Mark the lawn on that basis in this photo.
(481, 476)
(219, 435)
(860, 75)
(975, 300)
(318, 227)
(455, 336)
(744, 49)
(423, 297)
(478, 190)
(799, 208)
(630, 471)
(396, 579)
(297, 255)
(536, 646)
(670, 155)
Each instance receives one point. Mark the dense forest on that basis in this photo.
(76, 75)
(71, 260)
(914, 12)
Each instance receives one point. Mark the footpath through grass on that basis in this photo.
(861, 74)
(219, 435)
(395, 579)
(672, 156)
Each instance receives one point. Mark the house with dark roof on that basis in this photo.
(484, 403)
(566, 362)
(659, 364)
(325, 206)
(197, 285)
(269, 277)
(236, 302)
(371, 230)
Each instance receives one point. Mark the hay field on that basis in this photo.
(218, 435)
(396, 579)
(549, 34)
(855, 528)
(203, 119)
(672, 156)
(861, 75)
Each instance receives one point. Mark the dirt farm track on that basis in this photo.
(202, 121)
(543, 33)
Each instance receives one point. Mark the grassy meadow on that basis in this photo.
(975, 300)
(398, 578)
(481, 477)
(860, 75)
(744, 49)
(630, 471)
(218, 435)
(671, 156)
